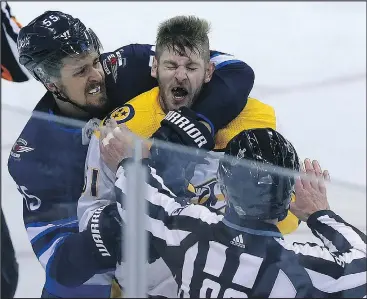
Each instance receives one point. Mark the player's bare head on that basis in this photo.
(62, 53)
(183, 35)
(182, 62)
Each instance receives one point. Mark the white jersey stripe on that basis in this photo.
(188, 267)
(44, 258)
(283, 287)
(351, 236)
(215, 250)
(248, 270)
(328, 284)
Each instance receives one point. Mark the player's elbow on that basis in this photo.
(246, 76)
(239, 81)
(239, 78)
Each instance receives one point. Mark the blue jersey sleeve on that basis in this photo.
(47, 165)
(127, 72)
(225, 96)
(221, 100)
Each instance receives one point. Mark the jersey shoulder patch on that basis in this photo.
(121, 114)
(142, 115)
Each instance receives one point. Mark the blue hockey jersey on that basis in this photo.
(47, 163)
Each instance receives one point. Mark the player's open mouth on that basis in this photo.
(179, 92)
(95, 90)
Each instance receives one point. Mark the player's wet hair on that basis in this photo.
(183, 33)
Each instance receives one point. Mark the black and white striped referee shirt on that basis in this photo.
(11, 70)
(212, 257)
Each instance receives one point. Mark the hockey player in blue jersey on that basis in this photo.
(47, 160)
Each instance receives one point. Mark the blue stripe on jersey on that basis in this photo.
(83, 291)
(57, 222)
(224, 63)
(51, 258)
(52, 228)
(50, 243)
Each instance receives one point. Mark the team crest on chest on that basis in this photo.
(121, 114)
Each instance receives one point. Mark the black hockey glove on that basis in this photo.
(105, 227)
(184, 126)
(176, 167)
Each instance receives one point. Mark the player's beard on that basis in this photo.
(166, 97)
(98, 107)
(99, 111)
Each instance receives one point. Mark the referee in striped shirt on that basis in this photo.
(11, 70)
(242, 254)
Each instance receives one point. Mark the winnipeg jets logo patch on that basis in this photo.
(19, 147)
(113, 62)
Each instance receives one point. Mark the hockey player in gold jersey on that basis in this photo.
(143, 116)
(182, 68)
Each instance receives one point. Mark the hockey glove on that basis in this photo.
(184, 126)
(105, 227)
(181, 127)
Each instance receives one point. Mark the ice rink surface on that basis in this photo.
(310, 64)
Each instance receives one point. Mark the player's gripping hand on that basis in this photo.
(175, 166)
(184, 126)
(310, 191)
(117, 143)
(105, 227)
